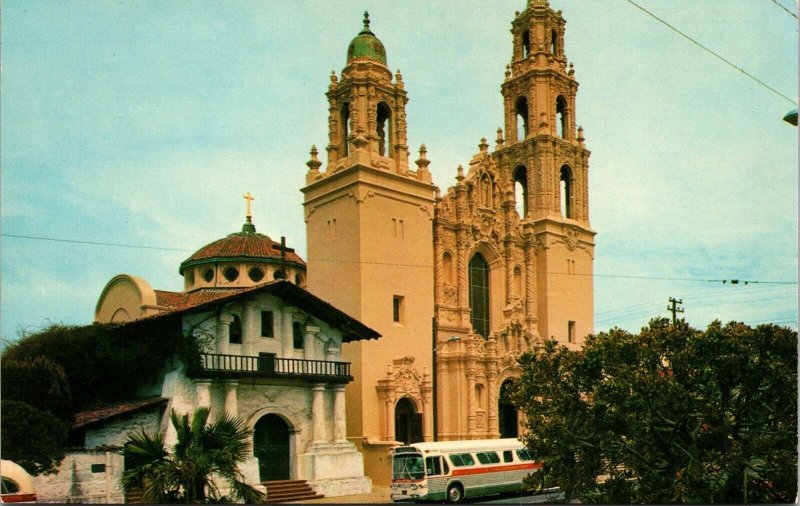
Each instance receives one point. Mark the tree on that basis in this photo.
(188, 472)
(32, 438)
(670, 415)
(38, 382)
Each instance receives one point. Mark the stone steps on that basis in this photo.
(289, 491)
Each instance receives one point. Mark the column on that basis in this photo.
(309, 343)
(471, 400)
(285, 329)
(203, 394)
(427, 406)
(339, 417)
(223, 333)
(491, 396)
(390, 418)
(318, 413)
(231, 398)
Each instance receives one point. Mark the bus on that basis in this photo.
(453, 470)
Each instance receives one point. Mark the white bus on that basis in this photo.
(453, 470)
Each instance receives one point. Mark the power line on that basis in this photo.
(784, 8)
(620, 276)
(740, 69)
(118, 245)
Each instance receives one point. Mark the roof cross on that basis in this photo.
(248, 198)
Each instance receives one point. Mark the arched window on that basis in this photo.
(344, 127)
(554, 42)
(384, 129)
(521, 108)
(447, 267)
(479, 294)
(235, 331)
(566, 192)
(520, 176)
(561, 116)
(526, 43)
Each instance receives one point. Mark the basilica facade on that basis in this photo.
(458, 283)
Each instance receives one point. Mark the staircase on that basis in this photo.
(289, 491)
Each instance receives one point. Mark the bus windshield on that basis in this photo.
(408, 467)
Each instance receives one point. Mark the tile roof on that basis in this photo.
(84, 418)
(173, 301)
(244, 245)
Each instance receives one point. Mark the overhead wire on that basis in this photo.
(717, 55)
(784, 8)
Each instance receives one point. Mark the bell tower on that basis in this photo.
(544, 156)
(368, 230)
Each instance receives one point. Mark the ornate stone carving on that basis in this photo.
(450, 293)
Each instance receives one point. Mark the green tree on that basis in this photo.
(204, 454)
(32, 438)
(38, 382)
(670, 415)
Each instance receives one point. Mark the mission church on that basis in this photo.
(406, 321)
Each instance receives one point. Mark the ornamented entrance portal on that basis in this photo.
(271, 448)
(407, 423)
(507, 413)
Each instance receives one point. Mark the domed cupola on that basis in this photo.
(241, 260)
(366, 46)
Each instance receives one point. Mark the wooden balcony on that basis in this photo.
(211, 365)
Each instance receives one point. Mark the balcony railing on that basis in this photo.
(269, 366)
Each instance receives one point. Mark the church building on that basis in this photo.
(458, 283)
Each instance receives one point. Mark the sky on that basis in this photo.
(143, 123)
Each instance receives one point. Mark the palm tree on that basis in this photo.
(204, 454)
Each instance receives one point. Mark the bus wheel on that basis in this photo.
(455, 493)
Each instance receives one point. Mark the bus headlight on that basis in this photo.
(414, 486)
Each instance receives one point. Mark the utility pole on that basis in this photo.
(674, 309)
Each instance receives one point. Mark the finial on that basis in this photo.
(366, 20)
(314, 164)
(248, 214)
(460, 173)
(508, 72)
(580, 138)
(423, 161)
(571, 68)
(483, 146)
(398, 78)
(500, 139)
(334, 79)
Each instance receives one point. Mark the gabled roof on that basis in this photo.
(204, 299)
(85, 418)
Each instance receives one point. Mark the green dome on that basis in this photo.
(366, 46)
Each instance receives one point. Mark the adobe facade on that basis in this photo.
(459, 283)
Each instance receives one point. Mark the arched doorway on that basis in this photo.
(271, 448)
(507, 412)
(407, 422)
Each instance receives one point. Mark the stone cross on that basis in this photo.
(248, 198)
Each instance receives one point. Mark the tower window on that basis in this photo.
(384, 129)
(571, 331)
(235, 331)
(231, 273)
(566, 193)
(479, 294)
(208, 275)
(526, 43)
(297, 335)
(298, 279)
(256, 274)
(397, 308)
(447, 267)
(521, 190)
(344, 127)
(521, 108)
(554, 42)
(267, 324)
(561, 116)
(279, 274)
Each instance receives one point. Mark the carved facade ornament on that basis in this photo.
(571, 236)
(450, 293)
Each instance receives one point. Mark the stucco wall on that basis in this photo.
(76, 483)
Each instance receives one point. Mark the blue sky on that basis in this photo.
(144, 123)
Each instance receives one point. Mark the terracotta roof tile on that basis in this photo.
(84, 418)
(244, 245)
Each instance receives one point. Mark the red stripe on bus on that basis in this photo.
(495, 469)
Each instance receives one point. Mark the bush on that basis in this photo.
(32, 438)
(38, 382)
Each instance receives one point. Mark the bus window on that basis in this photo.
(508, 456)
(408, 467)
(461, 459)
(524, 455)
(433, 466)
(487, 457)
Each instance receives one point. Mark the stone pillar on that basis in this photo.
(390, 418)
(491, 396)
(231, 398)
(427, 406)
(318, 413)
(223, 333)
(248, 335)
(339, 416)
(203, 394)
(309, 343)
(285, 329)
(471, 407)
